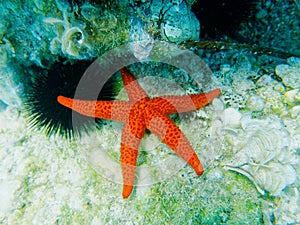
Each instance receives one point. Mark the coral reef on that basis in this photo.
(246, 161)
(259, 129)
(248, 139)
(75, 193)
(41, 31)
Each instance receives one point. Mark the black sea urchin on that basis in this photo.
(41, 104)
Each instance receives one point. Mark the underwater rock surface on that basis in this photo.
(248, 139)
(40, 32)
(251, 159)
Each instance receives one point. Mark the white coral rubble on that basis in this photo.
(261, 149)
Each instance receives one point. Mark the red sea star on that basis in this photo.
(141, 113)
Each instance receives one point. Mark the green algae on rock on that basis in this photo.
(40, 32)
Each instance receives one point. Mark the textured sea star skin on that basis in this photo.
(140, 113)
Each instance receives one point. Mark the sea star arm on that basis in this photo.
(113, 110)
(132, 87)
(177, 104)
(133, 132)
(162, 126)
